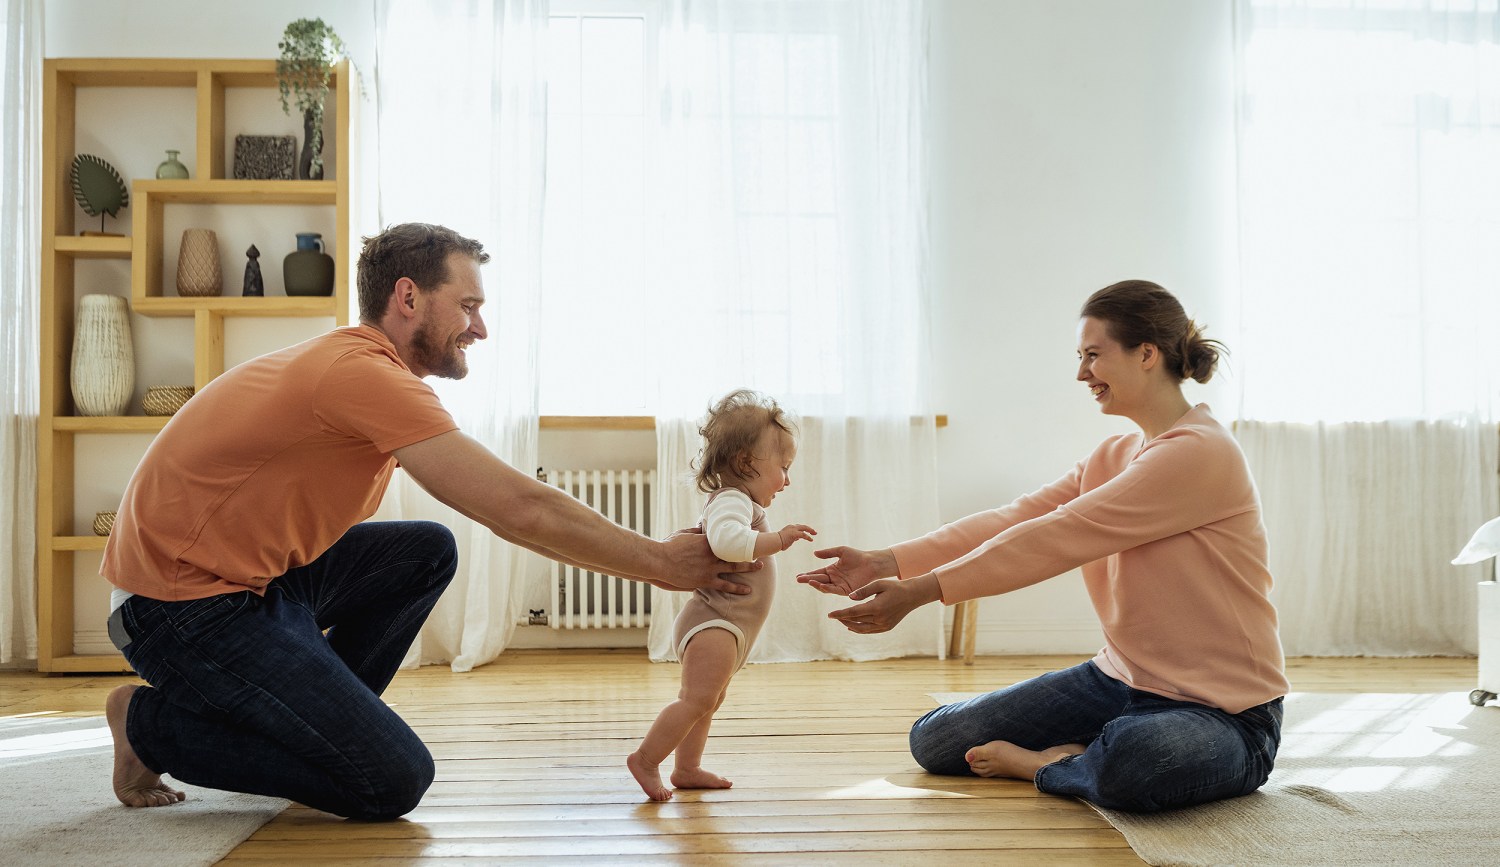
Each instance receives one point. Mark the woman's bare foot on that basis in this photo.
(697, 778)
(135, 784)
(1005, 759)
(649, 776)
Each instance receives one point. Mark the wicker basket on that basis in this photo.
(103, 523)
(165, 399)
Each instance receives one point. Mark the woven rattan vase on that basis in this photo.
(104, 523)
(165, 399)
(198, 271)
(103, 371)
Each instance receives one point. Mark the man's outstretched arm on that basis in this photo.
(463, 474)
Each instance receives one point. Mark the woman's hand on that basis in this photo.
(890, 600)
(852, 570)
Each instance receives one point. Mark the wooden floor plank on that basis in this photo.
(727, 841)
(530, 755)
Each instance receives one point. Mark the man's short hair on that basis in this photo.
(418, 251)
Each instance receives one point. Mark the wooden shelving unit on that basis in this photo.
(144, 248)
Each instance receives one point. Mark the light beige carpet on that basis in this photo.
(56, 806)
(1361, 779)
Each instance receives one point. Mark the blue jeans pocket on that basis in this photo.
(204, 617)
(182, 692)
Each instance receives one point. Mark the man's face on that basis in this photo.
(450, 321)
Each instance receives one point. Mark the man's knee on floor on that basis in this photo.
(398, 787)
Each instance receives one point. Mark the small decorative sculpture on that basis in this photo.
(98, 188)
(254, 285)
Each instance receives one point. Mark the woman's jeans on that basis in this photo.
(1145, 752)
(248, 694)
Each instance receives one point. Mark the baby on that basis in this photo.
(748, 451)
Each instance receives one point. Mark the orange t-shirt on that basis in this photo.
(268, 466)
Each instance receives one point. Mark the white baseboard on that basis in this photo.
(1011, 636)
(93, 641)
(545, 637)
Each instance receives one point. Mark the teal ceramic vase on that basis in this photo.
(172, 169)
(307, 270)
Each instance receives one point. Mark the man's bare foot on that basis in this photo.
(697, 778)
(135, 784)
(649, 776)
(1005, 759)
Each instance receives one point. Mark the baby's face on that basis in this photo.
(772, 464)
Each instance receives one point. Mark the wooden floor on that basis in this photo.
(531, 749)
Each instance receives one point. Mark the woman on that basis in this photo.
(1183, 703)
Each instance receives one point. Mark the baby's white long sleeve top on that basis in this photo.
(726, 523)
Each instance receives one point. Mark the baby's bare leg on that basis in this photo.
(708, 662)
(688, 771)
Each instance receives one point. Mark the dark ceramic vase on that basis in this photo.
(307, 270)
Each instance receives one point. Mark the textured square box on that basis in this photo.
(265, 157)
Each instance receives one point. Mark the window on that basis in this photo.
(1368, 197)
(767, 118)
(593, 361)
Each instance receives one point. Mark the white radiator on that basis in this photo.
(582, 599)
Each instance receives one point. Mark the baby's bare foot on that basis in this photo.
(649, 776)
(697, 778)
(135, 784)
(1005, 759)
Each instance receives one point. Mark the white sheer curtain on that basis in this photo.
(789, 256)
(20, 219)
(1364, 521)
(461, 102)
(1369, 200)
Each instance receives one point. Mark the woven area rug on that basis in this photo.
(57, 808)
(1360, 779)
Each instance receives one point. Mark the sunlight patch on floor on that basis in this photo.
(15, 743)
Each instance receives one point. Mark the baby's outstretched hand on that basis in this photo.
(793, 533)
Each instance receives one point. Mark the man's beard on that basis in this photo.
(445, 361)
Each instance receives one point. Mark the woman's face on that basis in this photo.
(1115, 375)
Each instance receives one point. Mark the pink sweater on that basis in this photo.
(1173, 553)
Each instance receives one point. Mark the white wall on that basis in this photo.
(194, 28)
(1074, 143)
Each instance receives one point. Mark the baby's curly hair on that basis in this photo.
(730, 432)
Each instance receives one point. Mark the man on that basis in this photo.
(265, 616)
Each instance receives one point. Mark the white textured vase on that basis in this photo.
(103, 375)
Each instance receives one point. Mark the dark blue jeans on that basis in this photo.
(248, 694)
(1145, 752)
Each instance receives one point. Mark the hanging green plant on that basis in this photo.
(309, 49)
(98, 188)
